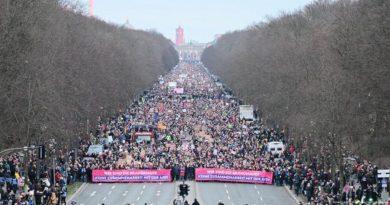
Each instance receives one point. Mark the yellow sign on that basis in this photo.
(161, 126)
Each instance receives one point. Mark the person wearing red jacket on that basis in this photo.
(58, 176)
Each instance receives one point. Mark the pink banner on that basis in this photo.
(145, 175)
(229, 175)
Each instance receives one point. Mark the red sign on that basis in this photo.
(145, 175)
(160, 107)
(229, 175)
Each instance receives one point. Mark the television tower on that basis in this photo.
(90, 8)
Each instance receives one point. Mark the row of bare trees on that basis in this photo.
(60, 70)
(322, 72)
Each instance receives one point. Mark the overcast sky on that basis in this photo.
(201, 19)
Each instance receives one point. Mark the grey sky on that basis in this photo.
(201, 19)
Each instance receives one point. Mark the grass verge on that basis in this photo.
(72, 188)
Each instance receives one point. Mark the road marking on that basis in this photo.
(255, 187)
(110, 192)
(100, 184)
(113, 187)
(258, 192)
(144, 187)
(93, 193)
(138, 199)
(124, 194)
(261, 198)
(104, 198)
(227, 192)
(142, 192)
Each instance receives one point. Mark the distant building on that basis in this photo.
(90, 8)
(217, 36)
(190, 52)
(128, 24)
(179, 36)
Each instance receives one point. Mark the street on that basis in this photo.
(164, 193)
(237, 194)
(126, 193)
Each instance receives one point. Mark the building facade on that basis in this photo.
(179, 36)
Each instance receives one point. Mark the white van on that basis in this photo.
(275, 147)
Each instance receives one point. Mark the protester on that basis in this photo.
(195, 202)
(198, 125)
(203, 129)
(195, 123)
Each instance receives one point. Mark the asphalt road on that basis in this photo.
(241, 194)
(164, 193)
(126, 193)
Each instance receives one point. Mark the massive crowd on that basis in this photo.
(197, 127)
(196, 123)
(26, 182)
(355, 185)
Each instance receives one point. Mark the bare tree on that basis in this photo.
(61, 70)
(322, 72)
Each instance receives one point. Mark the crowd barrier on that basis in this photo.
(149, 175)
(228, 175)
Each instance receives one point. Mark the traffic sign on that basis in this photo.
(383, 173)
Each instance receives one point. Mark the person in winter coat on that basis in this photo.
(195, 202)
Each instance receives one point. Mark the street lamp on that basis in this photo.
(52, 150)
(13, 150)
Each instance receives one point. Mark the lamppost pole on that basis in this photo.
(54, 171)
(7, 151)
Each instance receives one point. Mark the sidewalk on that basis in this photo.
(301, 198)
(385, 196)
(80, 189)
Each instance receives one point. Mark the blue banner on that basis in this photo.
(8, 180)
